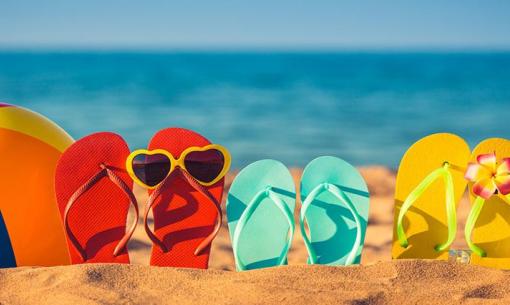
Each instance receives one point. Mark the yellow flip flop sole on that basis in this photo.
(425, 223)
(492, 228)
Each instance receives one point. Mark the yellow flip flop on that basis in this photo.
(487, 228)
(430, 184)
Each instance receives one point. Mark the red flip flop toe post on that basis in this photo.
(187, 215)
(94, 194)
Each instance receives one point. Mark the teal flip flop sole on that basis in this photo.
(333, 231)
(265, 233)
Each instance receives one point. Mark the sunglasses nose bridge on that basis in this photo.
(181, 169)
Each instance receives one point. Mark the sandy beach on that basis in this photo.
(377, 281)
(401, 282)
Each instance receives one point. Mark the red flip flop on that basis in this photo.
(94, 193)
(187, 215)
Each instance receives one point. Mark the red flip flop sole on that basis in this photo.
(183, 217)
(98, 218)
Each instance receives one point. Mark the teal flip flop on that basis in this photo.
(260, 213)
(335, 206)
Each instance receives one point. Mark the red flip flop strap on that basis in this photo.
(157, 192)
(219, 219)
(104, 172)
(77, 194)
(132, 200)
(150, 202)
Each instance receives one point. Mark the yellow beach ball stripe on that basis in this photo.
(35, 125)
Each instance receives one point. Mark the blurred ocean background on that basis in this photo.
(365, 107)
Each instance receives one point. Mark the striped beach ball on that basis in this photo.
(31, 233)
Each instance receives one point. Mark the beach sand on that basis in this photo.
(377, 281)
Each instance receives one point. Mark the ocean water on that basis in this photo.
(365, 107)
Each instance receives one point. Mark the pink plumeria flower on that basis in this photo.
(488, 177)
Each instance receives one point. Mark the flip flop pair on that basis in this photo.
(183, 173)
(260, 212)
(432, 177)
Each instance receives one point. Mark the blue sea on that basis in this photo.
(365, 107)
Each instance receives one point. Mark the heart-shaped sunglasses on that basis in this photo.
(206, 164)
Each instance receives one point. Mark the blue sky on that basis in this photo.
(254, 24)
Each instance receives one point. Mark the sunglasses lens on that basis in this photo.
(151, 169)
(205, 166)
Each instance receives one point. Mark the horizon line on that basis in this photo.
(254, 49)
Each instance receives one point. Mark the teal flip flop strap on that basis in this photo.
(470, 224)
(248, 212)
(451, 215)
(337, 192)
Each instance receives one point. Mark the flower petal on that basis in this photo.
(484, 188)
(475, 172)
(503, 184)
(504, 167)
(488, 160)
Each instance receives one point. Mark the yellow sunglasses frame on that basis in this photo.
(178, 162)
